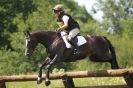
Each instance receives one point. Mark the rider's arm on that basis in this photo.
(65, 19)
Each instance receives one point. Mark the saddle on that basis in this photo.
(74, 42)
(78, 40)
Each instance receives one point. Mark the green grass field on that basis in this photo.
(78, 82)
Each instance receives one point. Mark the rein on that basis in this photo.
(56, 41)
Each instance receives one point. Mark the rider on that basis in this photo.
(68, 24)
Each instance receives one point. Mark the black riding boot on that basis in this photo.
(75, 47)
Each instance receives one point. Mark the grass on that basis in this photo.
(78, 82)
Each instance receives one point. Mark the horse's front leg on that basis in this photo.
(45, 62)
(47, 81)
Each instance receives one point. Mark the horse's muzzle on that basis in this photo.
(27, 54)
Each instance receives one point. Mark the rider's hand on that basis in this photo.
(58, 29)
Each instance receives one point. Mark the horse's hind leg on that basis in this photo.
(107, 58)
(95, 58)
(112, 60)
(114, 64)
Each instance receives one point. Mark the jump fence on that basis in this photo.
(67, 78)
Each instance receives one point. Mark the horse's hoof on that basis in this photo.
(47, 83)
(39, 80)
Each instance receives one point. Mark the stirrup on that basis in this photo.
(76, 52)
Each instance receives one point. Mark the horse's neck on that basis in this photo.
(45, 38)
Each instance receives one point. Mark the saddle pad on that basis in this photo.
(81, 40)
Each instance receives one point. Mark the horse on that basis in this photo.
(97, 48)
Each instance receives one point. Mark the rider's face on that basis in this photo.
(57, 13)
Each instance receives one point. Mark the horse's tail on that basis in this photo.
(112, 50)
(113, 54)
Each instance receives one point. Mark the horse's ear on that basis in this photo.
(27, 33)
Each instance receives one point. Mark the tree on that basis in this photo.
(115, 11)
(9, 9)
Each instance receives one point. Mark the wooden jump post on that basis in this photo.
(68, 81)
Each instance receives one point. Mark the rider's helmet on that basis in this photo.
(58, 8)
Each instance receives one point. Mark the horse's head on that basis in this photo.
(31, 43)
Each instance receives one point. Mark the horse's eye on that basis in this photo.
(27, 38)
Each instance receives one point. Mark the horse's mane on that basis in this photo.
(44, 32)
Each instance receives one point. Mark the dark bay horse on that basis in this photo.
(97, 48)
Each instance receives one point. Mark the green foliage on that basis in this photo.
(9, 9)
(91, 27)
(127, 27)
(115, 11)
(123, 46)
